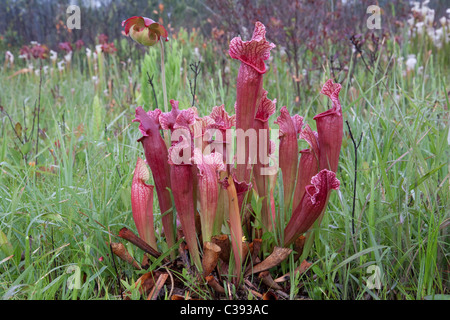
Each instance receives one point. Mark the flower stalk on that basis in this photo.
(163, 76)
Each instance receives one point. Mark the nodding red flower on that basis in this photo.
(265, 110)
(144, 30)
(290, 128)
(209, 167)
(66, 46)
(311, 206)
(249, 90)
(156, 155)
(142, 204)
(330, 128)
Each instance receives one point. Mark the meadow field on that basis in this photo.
(69, 146)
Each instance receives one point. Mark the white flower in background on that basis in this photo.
(411, 21)
(95, 79)
(411, 62)
(37, 72)
(197, 54)
(415, 4)
(9, 57)
(34, 43)
(61, 65)
(420, 27)
(420, 70)
(31, 67)
(426, 27)
(98, 48)
(282, 52)
(68, 57)
(88, 53)
(424, 11)
(438, 37)
(45, 68)
(53, 55)
(429, 17)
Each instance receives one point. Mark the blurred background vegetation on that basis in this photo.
(315, 31)
(22, 21)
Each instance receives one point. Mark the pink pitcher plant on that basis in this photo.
(196, 171)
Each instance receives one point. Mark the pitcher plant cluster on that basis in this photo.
(206, 169)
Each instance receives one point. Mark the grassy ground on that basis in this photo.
(64, 187)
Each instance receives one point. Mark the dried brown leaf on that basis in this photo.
(278, 255)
